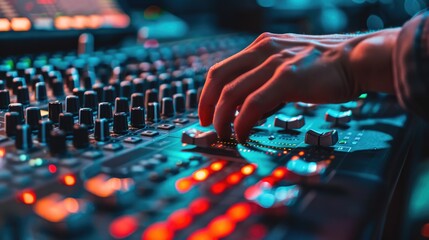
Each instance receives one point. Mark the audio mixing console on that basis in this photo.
(108, 146)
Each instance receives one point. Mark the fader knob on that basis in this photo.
(41, 92)
(120, 123)
(105, 111)
(86, 117)
(23, 139)
(137, 117)
(179, 102)
(4, 99)
(54, 109)
(176, 87)
(191, 99)
(324, 139)
(151, 95)
(72, 105)
(126, 89)
(22, 95)
(57, 88)
(164, 91)
(66, 122)
(90, 100)
(80, 136)
(45, 128)
(188, 84)
(109, 93)
(152, 114)
(286, 123)
(98, 88)
(306, 107)
(167, 107)
(121, 105)
(137, 100)
(32, 117)
(57, 142)
(11, 120)
(17, 107)
(79, 92)
(338, 117)
(199, 138)
(354, 106)
(101, 130)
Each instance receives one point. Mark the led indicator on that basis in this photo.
(184, 184)
(69, 180)
(123, 227)
(159, 231)
(199, 206)
(248, 169)
(221, 227)
(200, 175)
(28, 197)
(239, 212)
(52, 168)
(180, 219)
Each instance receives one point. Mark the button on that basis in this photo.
(149, 163)
(181, 121)
(338, 117)
(137, 169)
(286, 123)
(191, 100)
(66, 122)
(10, 122)
(101, 130)
(152, 114)
(120, 123)
(156, 177)
(23, 96)
(109, 93)
(133, 140)
(113, 147)
(90, 100)
(193, 115)
(72, 105)
(86, 117)
(324, 139)
(166, 126)
(199, 138)
(305, 106)
(179, 102)
(18, 108)
(137, 117)
(105, 111)
(182, 163)
(137, 100)
(151, 96)
(149, 133)
(57, 143)
(93, 154)
(167, 107)
(121, 105)
(172, 170)
(55, 108)
(33, 117)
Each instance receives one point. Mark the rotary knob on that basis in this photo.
(4, 99)
(101, 131)
(90, 100)
(11, 120)
(54, 109)
(33, 117)
(286, 123)
(324, 139)
(86, 117)
(179, 103)
(23, 139)
(167, 107)
(57, 142)
(137, 117)
(72, 105)
(152, 114)
(137, 100)
(105, 111)
(120, 123)
(45, 128)
(80, 136)
(66, 122)
(121, 105)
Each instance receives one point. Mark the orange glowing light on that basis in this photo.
(184, 184)
(123, 227)
(4, 25)
(63, 22)
(94, 21)
(294, 158)
(425, 230)
(269, 180)
(199, 206)
(20, 24)
(2, 152)
(301, 153)
(201, 234)
(103, 186)
(51, 208)
(217, 166)
(71, 205)
(200, 175)
(180, 219)
(69, 180)
(159, 230)
(28, 197)
(248, 169)
(234, 178)
(80, 22)
(52, 168)
(221, 226)
(238, 212)
(218, 188)
(279, 172)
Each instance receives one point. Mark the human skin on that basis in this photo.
(281, 68)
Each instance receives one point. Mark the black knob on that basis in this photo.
(188, 84)
(105, 111)
(57, 142)
(17, 82)
(33, 116)
(179, 102)
(164, 91)
(191, 100)
(72, 105)
(22, 95)
(80, 136)
(1, 84)
(120, 123)
(54, 109)
(152, 112)
(11, 120)
(57, 88)
(66, 122)
(45, 128)
(98, 88)
(176, 87)
(101, 131)
(79, 92)
(126, 89)
(151, 95)
(167, 107)
(23, 139)
(137, 117)
(41, 91)
(109, 93)
(4, 99)
(86, 117)
(152, 81)
(90, 100)
(121, 105)
(137, 100)
(139, 85)
(17, 107)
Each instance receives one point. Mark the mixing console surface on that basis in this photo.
(108, 146)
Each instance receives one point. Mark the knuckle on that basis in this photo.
(265, 35)
(266, 43)
(275, 58)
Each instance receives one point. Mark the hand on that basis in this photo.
(281, 68)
